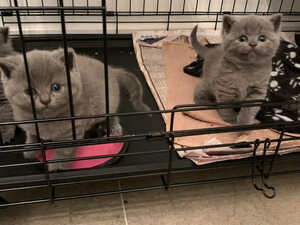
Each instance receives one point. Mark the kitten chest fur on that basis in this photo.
(241, 79)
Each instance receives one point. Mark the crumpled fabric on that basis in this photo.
(284, 86)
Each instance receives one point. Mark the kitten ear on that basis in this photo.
(7, 65)
(4, 31)
(276, 20)
(228, 21)
(60, 54)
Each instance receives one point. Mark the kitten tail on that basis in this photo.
(200, 49)
(135, 90)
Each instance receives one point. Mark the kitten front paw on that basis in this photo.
(117, 130)
(53, 167)
(227, 117)
(230, 120)
(243, 120)
(30, 154)
(243, 133)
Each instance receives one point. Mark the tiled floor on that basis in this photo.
(208, 204)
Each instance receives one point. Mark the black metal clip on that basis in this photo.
(261, 169)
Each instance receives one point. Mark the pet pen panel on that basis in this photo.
(150, 141)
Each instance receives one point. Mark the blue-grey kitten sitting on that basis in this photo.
(50, 93)
(239, 69)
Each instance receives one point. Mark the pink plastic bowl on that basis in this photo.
(90, 151)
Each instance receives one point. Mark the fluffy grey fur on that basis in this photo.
(7, 132)
(47, 73)
(239, 69)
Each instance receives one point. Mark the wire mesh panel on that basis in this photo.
(63, 18)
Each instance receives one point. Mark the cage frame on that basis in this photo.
(51, 181)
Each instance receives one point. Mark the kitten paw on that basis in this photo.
(117, 130)
(229, 119)
(228, 116)
(243, 134)
(53, 167)
(30, 155)
(242, 120)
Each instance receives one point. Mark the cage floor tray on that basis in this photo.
(135, 165)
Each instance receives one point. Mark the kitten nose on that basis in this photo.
(45, 100)
(253, 44)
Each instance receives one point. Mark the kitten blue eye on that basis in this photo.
(27, 91)
(243, 38)
(262, 38)
(55, 87)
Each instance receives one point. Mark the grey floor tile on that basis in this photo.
(40, 214)
(65, 220)
(217, 204)
(90, 211)
(8, 219)
(98, 218)
(284, 208)
(47, 210)
(103, 210)
(235, 203)
(150, 207)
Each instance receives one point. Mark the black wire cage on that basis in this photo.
(104, 27)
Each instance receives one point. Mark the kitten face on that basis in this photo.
(251, 38)
(48, 81)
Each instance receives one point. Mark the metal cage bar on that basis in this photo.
(67, 68)
(257, 7)
(106, 67)
(280, 7)
(30, 91)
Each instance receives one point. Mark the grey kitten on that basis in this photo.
(239, 69)
(6, 49)
(50, 92)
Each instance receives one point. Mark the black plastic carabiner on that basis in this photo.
(260, 168)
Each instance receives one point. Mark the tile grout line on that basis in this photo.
(123, 205)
